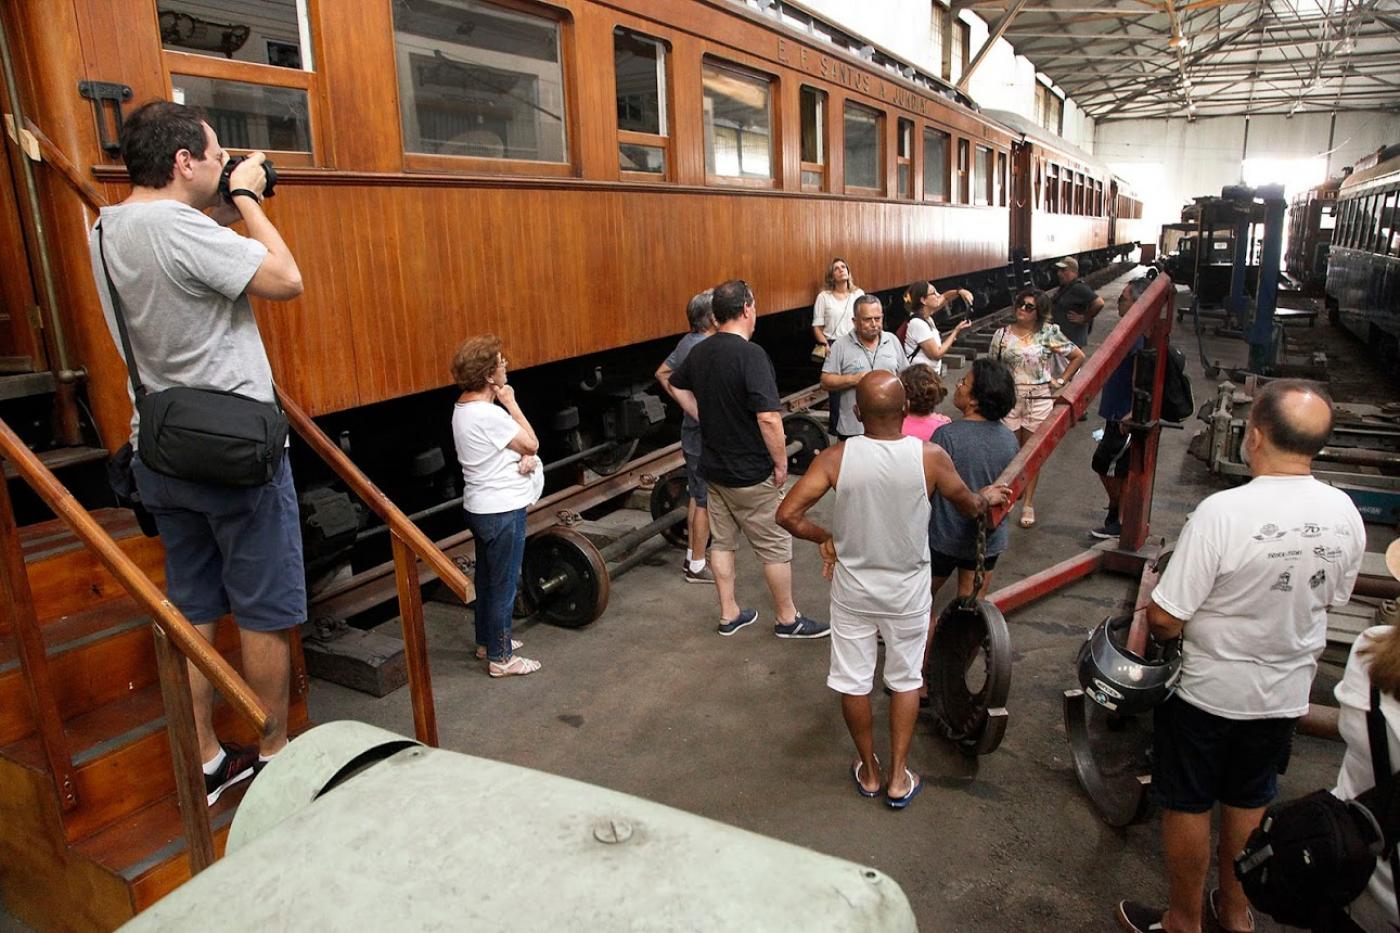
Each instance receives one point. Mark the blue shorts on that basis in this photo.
(1199, 758)
(694, 480)
(229, 549)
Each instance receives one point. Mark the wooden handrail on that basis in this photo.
(54, 156)
(419, 543)
(164, 615)
(410, 545)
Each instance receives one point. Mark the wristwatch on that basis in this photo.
(244, 193)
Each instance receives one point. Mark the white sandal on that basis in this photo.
(481, 649)
(515, 667)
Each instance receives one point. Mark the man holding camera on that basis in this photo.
(182, 280)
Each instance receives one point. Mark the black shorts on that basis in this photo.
(943, 565)
(1199, 758)
(1111, 457)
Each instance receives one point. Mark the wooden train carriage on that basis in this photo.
(1311, 219)
(560, 172)
(1126, 224)
(1060, 197)
(1363, 262)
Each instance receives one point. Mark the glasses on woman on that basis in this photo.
(1028, 305)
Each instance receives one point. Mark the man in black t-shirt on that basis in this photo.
(743, 459)
(1076, 303)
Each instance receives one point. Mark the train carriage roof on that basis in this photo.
(1032, 130)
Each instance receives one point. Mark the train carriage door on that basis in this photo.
(1112, 212)
(1022, 200)
(21, 345)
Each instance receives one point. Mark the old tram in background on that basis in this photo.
(1363, 260)
(1311, 220)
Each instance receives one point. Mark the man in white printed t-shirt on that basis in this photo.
(1247, 589)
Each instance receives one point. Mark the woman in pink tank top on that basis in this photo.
(924, 390)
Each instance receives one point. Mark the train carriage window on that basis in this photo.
(639, 65)
(738, 123)
(1038, 186)
(480, 80)
(1385, 243)
(1372, 223)
(1052, 188)
(935, 165)
(964, 173)
(982, 177)
(813, 107)
(269, 32)
(904, 158)
(1001, 180)
(249, 116)
(1327, 217)
(863, 128)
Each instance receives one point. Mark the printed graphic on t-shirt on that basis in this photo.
(1284, 583)
(1269, 532)
(1329, 554)
(1317, 579)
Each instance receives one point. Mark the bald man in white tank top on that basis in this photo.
(877, 557)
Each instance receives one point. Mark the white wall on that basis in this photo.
(1172, 161)
(1004, 80)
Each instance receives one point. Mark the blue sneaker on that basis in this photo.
(802, 627)
(745, 617)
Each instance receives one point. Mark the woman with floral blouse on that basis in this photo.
(1030, 346)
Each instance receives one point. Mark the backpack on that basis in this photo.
(1313, 856)
(1177, 401)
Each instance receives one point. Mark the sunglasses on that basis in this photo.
(1028, 305)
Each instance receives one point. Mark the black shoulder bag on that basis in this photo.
(201, 435)
(1311, 857)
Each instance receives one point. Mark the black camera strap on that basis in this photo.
(137, 389)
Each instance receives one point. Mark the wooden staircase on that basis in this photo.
(119, 845)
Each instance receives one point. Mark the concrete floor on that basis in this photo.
(650, 701)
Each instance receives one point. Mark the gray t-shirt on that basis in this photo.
(690, 428)
(849, 356)
(980, 450)
(181, 278)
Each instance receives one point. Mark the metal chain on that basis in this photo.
(979, 574)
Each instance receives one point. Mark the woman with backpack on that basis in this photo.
(922, 342)
(1029, 346)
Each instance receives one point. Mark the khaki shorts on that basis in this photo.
(752, 510)
(1033, 405)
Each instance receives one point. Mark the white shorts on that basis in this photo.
(854, 647)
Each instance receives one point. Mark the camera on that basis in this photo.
(233, 163)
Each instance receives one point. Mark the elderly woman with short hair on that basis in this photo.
(502, 477)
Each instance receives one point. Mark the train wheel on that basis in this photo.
(807, 431)
(669, 493)
(565, 578)
(969, 675)
(607, 462)
(1110, 757)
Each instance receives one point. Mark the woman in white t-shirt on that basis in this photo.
(502, 476)
(922, 342)
(833, 311)
(1375, 659)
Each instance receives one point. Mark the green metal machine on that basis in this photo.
(353, 827)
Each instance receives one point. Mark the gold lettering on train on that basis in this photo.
(853, 77)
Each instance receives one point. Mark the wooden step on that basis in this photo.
(60, 458)
(95, 657)
(121, 752)
(147, 849)
(66, 578)
(47, 539)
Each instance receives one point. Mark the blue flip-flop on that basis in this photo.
(899, 803)
(855, 777)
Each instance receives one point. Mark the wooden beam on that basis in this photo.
(993, 34)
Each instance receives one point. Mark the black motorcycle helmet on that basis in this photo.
(1120, 681)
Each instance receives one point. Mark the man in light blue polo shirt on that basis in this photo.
(867, 348)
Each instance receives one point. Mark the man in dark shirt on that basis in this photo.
(1111, 457)
(1076, 303)
(743, 458)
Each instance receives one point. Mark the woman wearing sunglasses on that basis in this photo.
(1030, 346)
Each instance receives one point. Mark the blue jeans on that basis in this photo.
(500, 547)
